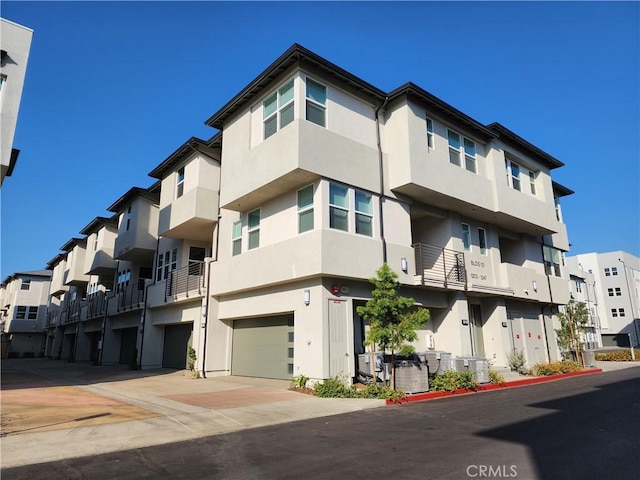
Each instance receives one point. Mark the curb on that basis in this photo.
(421, 397)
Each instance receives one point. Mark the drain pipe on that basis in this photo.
(106, 313)
(381, 173)
(143, 318)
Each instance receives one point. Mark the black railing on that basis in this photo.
(130, 297)
(72, 313)
(187, 280)
(438, 266)
(53, 318)
(96, 304)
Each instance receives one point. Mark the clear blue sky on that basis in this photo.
(113, 88)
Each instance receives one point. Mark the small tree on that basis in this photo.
(572, 324)
(393, 320)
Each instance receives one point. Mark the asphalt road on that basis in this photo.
(577, 428)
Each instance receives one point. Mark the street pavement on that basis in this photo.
(53, 410)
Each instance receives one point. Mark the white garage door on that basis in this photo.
(263, 347)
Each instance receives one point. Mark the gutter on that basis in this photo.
(381, 173)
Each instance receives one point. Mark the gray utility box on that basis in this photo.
(479, 367)
(438, 362)
(412, 376)
(589, 357)
(383, 370)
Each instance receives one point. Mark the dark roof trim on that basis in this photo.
(133, 193)
(442, 108)
(97, 223)
(515, 140)
(54, 261)
(561, 190)
(295, 54)
(34, 273)
(187, 148)
(72, 243)
(13, 159)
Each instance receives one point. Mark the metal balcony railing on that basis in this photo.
(53, 318)
(436, 266)
(187, 280)
(131, 297)
(96, 304)
(72, 312)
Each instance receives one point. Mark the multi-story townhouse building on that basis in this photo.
(582, 287)
(16, 42)
(56, 304)
(324, 177)
(617, 287)
(23, 312)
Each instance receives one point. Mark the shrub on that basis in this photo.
(516, 361)
(336, 388)
(299, 382)
(451, 381)
(380, 392)
(554, 368)
(495, 377)
(619, 356)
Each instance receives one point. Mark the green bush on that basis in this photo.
(554, 368)
(451, 381)
(336, 388)
(516, 361)
(495, 377)
(299, 382)
(380, 392)
(619, 356)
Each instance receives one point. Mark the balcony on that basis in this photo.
(185, 282)
(440, 267)
(53, 318)
(72, 312)
(96, 305)
(102, 263)
(192, 216)
(130, 298)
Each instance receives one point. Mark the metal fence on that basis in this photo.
(187, 280)
(436, 266)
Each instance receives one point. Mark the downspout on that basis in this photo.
(381, 173)
(550, 305)
(106, 313)
(146, 301)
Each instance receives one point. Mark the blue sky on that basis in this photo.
(113, 88)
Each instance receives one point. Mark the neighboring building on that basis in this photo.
(255, 247)
(617, 288)
(583, 290)
(23, 300)
(15, 42)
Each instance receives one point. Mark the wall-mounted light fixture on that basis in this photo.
(465, 321)
(504, 324)
(307, 297)
(534, 285)
(403, 265)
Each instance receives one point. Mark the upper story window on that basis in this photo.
(364, 213)
(532, 182)
(429, 134)
(167, 262)
(517, 175)
(482, 240)
(253, 224)
(180, 182)
(123, 280)
(466, 237)
(340, 211)
(578, 286)
(305, 209)
(552, 260)
(95, 241)
(236, 238)
(610, 271)
(29, 313)
(128, 218)
(316, 103)
(26, 284)
(461, 147)
(338, 207)
(278, 109)
(614, 271)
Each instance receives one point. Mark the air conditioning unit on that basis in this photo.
(382, 369)
(438, 362)
(479, 367)
(412, 376)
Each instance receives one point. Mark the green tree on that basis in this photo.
(572, 324)
(393, 320)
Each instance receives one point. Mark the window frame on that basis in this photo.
(167, 262)
(304, 210)
(466, 160)
(430, 135)
(315, 103)
(280, 107)
(21, 312)
(360, 214)
(127, 217)
(335, 207)
(482, 241)
(180, 182)
(253, 232)
(32, 312)
(26, 282)
(236, 239)
(465, 236)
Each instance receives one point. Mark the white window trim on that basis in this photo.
(255, 229)
(525, 176)
(279, 108)
(462, 236)
(235, 238)
(364, 214)
(482, 235)
(164, 268)
(431, 144)
(462, 152)
(180, 182)
(315, 102)
(306, 208)
(340, 207)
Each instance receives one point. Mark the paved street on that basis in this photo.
(576, 428)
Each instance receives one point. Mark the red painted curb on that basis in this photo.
(420, 397)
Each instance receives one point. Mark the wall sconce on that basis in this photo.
(504, 324)
(465, 321)
(307, 297)
(534, 285)
(403, 264)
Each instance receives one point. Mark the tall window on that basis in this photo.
(618, 292)
(364, 214)
(26, 284)
(167, 262)
(128, 218)
(470, 155)
(482, 240)
(21, 313)
(614, 271)
(180, 182)
(454, 147)
(254, 228)
(607, 272)
(32, 313)
(278, 109)
(578, 286)
(338, 207)
(621, 312)
(316, 102)
(236, 238)
(95, 241)
(124, 278)
(513, 174)
(429, 133)
(610, 291)
(466, 237)
(460, 147)
(551, 261)
(532, 182)
(305, 209)
(614, 312)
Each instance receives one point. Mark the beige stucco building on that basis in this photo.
(255, 246)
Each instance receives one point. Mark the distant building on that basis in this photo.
(617, 288)
(15, 41)
(582, 288)
(23, 310)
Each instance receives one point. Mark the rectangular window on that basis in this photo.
(32, 313)
(556, 202)
(305, 209)
(236, 238)
(621, 312)
(614, 312)
(513, 174)
(614, 271)
(95, 241)
(167, 262)
(364, 213)
(454, 147)
(128, 218)
(532, 182)
(124, 278)
(180, 183)
(26, 284)
(254, 229)
(429, 134)
(618, 292)
(278, 109)
(21, 313)
(610, 291)
(578, 286)
(607, 272)
(338, 207)
(482, 240)
(470, 155)
(551, 261)
(316, 102)
(466, 237)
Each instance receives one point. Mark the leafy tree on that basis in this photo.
(393, 320)
(572, 323)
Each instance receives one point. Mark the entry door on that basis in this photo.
(477, 339)
(338, 339)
